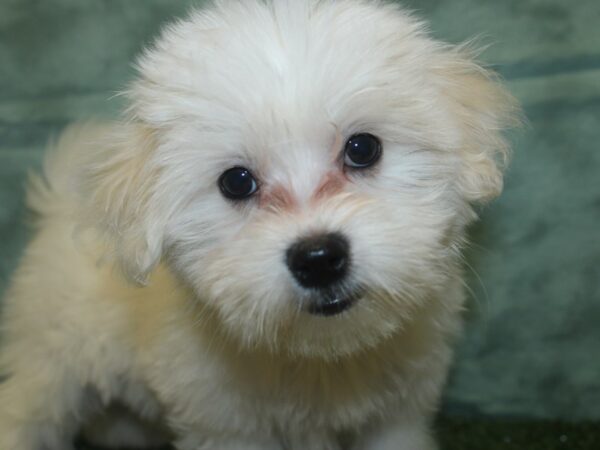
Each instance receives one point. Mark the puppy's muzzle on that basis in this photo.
(320, 262)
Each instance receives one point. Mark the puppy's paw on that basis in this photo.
(200, 441)
(404, 436)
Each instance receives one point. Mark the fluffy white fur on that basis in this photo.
(206, 332)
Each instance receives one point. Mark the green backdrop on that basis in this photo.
(532, 347)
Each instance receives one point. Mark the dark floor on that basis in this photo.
(461, 434)
(457, 434)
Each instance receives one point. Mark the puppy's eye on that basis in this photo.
(237, 183)
(362, 151)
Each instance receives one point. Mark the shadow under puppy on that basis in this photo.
(287, 198)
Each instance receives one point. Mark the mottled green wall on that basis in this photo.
(533, 341)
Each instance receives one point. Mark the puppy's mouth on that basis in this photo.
(332, 303)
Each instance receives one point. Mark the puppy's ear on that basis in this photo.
(482, 109)
(119, 197)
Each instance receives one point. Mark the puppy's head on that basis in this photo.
(307, 167)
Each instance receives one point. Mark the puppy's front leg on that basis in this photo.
(397, 435)
(38, 409)
(201, 441)
(305, 441)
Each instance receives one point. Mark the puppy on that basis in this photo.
(266, 252)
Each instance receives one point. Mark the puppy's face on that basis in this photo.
(306, 167)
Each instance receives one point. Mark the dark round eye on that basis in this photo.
(237, 183)
(362, 150)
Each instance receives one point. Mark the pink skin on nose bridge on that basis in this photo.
(278, 197)
(332, 183)
(281, 198)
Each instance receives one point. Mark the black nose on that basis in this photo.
(319, 261)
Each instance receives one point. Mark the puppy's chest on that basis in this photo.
(201, 381)
(300, 394)
(264, 393)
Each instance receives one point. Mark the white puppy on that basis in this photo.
(287, 199)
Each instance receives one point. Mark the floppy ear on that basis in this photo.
(119, 197)
(483, 109)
